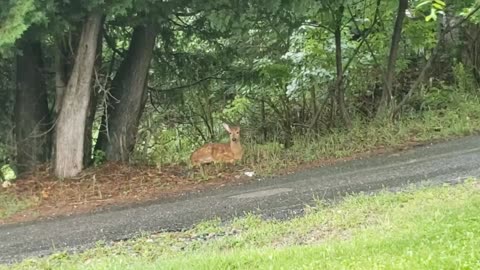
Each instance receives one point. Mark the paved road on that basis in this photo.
(277, 197)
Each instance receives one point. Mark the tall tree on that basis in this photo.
(339, 84)
(117, 137)
(32, 119)
(72, 120)
(87, 159)
(387, 93)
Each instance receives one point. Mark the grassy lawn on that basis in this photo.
(428, 228)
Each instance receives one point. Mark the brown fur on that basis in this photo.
(220, 152)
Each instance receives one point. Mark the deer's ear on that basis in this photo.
(226, 127)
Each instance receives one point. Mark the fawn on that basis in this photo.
(220, 152)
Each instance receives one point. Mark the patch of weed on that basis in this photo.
(11, 204)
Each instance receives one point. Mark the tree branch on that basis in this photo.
(449, 29)
(111, 44)
(357, 27)
(212, 77)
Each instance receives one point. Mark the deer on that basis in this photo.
(220, 152)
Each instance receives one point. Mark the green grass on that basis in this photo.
(11, 204)
(429, 228)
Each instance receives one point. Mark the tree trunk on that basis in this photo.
(339, 87)
(264, 121)
(61, 77)
(286, 116)
(466, 40)
(313, 99)
(64, 61)
(72, 119)
(387, 94)
(87, 158)
(32, 119)
(118, 134)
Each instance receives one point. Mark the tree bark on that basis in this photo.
(339, 87)
(264, 121)
(72, 119)
(32, 118)
(313, 98)
(286, 116)
(88, 145)
(64, 61)
(118, 133)
(61, 78)
(387, 93)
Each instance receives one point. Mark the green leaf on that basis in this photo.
(432, 16)
(439, 2)
(424, 3)
(437, 6)
(15, 18)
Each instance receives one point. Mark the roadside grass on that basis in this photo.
(11, 204)
(420, 228)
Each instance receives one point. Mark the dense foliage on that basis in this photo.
(163, 75)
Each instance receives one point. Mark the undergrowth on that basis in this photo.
(11, 204)
(437, 110)
(363, 137)
(442, 116)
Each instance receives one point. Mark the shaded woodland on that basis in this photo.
(149, 81)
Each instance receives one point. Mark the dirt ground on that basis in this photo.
(115, 184)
